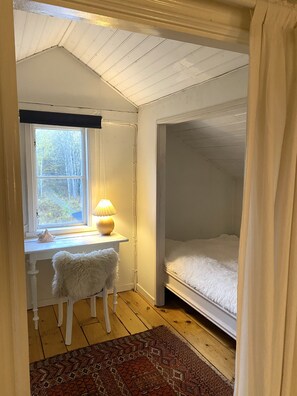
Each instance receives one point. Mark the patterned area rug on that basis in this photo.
(155, 362)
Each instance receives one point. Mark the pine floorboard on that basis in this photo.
(133, 315)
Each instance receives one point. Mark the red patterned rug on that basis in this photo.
(155, 362)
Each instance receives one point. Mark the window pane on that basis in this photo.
(58, 152)
(59, 201)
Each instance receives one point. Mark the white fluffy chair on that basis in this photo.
(82, 275)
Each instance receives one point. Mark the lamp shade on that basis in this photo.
(104, 208)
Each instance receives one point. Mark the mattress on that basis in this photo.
(207, 265)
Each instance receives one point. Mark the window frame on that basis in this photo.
(31, 228)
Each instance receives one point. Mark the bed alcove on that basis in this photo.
(200, 167)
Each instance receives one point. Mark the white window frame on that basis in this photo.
(31, 228)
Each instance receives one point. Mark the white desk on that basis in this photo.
(82, 243)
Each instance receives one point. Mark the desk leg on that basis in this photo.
(115, 297)
(33, 280)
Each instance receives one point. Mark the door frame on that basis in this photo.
(212, 23)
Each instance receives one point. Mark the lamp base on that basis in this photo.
(105, 225)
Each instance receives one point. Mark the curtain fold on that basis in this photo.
(266, 360)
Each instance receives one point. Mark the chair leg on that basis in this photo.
(105, 308)
(115, 299)
(69, 321)
(93, 306)
(60, 312)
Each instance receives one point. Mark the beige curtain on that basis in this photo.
(266, 363)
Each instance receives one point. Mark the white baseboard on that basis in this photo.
(126, 287)
(52, 300)
(44, 302)
(145, 294)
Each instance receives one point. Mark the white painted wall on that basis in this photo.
(56, 80)
(230, 87)
(56, 77)
(200, 198)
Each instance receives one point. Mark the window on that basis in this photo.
(56, 160)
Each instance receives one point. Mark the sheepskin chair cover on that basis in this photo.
(83, 274)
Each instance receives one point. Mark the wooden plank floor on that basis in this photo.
(133, 315)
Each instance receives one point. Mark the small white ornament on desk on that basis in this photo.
(45, 236)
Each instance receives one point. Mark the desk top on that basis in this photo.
(73, 240)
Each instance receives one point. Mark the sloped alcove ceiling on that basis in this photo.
(220, 139)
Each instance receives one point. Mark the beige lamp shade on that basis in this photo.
(105, 210)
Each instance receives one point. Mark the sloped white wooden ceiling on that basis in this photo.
(143, 68)
(220, 139)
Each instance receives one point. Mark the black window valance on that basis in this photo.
(61, 119)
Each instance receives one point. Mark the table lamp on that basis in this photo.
(104, 210)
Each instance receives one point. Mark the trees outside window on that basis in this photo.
(59, 177)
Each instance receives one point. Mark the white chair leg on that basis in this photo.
(60, 312)
(115, 299)
(69, 321)
(93, 306)
(105, 308)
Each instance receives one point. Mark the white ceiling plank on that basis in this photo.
(95, 46)
(216, 142)
(205, 122)
(75, 36)
(201, 126)
(39, 32)
(43, 38)
(28, 35)
(207, 68)
(223, 145)
(224, 119)
(86, 39)
(222, 153)
(67, 33)
(110, 46)
(207, 74)
(173, 73)
(123, 51)
(217, 134)
(19, 25)
(130, 75)
(210, 133)
(118, 71)
(52, 33)
(224, 131)
(227, 120)
(160, 63)
(233, 111)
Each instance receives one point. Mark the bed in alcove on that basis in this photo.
(204, 183)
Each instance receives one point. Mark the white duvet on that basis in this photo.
(208, 265)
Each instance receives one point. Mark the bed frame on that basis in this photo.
(212, 311)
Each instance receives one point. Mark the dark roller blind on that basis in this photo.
(61, 119)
